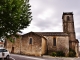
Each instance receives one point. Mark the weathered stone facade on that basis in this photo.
(38, 46)
(14, 47)
(62, 41)
(22, 45)
(62, 44)
(40, 43)
(68, 27)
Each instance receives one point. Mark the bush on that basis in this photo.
(72, 53)
(58, 53)
(54, 54)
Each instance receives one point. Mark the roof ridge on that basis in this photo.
(51, 33)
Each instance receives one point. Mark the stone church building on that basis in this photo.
(40, 43)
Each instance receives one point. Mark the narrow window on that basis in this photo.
(30, 41)
(68, 18)
(54, 41)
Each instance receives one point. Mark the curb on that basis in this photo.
(57, 57)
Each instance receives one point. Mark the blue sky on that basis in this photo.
(47, 15)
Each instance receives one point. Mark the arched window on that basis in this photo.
(68, 18)
(54, 41)
(30, 41)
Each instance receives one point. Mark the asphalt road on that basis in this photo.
(22, 57)
(7, 59)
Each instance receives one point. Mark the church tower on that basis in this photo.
(68, 27)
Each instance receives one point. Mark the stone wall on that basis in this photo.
(62, 44)
(22, 45)
(77, 49)
(31, 49)
(15, 45)
(44, 46)
(39, 44)
(8, 45)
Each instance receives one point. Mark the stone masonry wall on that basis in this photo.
(31, 49)
(16, 45)
(62, 44)
(44, 46)
(22, 46)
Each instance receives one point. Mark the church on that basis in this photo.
(40, 43)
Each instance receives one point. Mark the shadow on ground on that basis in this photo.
(6, 59)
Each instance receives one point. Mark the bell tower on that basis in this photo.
(68, 27)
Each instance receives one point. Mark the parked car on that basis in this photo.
(4, 53)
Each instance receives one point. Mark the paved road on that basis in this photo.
(21, 57)
(7, 59)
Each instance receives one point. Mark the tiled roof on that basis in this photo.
(36, 34)
(52, 33)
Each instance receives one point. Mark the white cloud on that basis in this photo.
(47, 13)
(34, 4)
(32, 28)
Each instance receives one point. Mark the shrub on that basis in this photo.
(53, 54)
(72, 53)
(60, 53)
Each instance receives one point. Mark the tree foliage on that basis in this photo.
(14, 16)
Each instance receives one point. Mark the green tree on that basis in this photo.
(14, 16)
